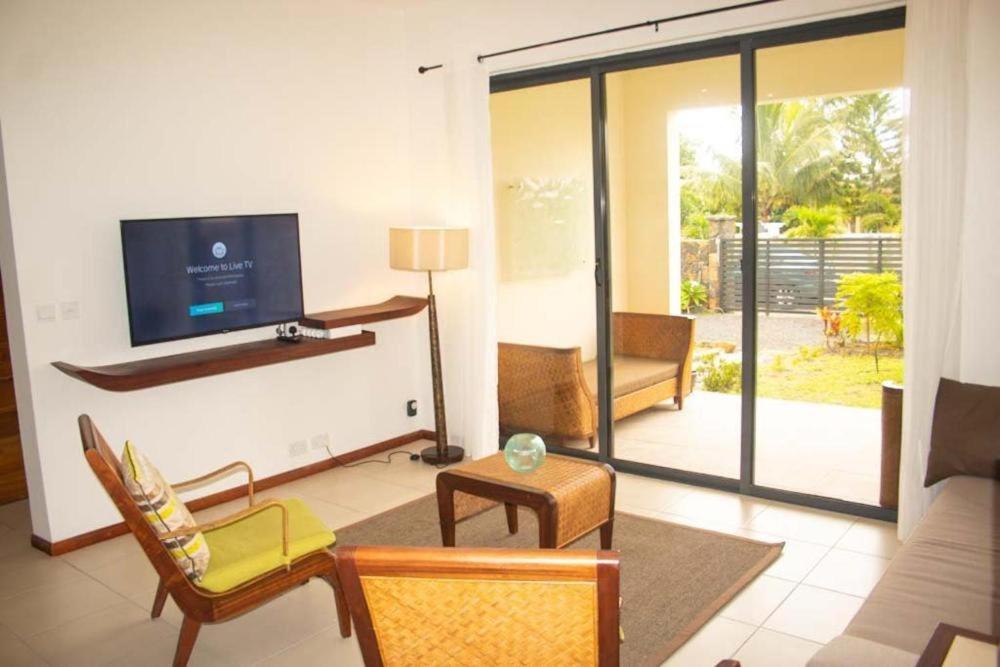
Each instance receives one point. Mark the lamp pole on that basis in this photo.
(441, 453)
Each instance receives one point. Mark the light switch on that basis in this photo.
(69, 310)
(46, 312)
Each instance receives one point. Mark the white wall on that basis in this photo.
(119, 109)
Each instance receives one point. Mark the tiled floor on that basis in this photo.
(92, 606)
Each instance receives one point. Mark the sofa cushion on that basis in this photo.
(857, 652)
(632, 373)
(943, 573)
(965, 437)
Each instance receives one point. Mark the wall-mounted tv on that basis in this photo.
(188, 277)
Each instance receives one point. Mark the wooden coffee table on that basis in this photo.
(571, 497)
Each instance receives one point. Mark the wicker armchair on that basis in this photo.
(437, 606)
(552, 392)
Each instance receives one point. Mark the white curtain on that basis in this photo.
(471, 204)
(933, 202)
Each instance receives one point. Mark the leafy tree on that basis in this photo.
(706, 191)
(867, 169)
(692, 205)
(844, 151)
(687, 152)
(879, 213)
(722, 190)
(807, 222)
(872, 305)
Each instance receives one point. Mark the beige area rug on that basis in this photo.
(674, 578)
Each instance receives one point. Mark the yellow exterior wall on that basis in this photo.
(645, 100)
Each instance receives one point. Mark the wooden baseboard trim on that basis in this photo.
(61, 547)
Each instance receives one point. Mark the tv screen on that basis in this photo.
(189, 277)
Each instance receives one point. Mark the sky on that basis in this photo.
(713, 130)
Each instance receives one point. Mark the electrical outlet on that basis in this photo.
(320, 441)
(411, 408)
(297, 448)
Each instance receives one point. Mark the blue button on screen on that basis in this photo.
(205, 309)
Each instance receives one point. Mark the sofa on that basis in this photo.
(948, 570)
(944, 573)
(553, 392)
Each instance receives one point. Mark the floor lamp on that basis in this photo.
(432, 249)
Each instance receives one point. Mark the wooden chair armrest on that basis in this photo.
(233, 518)
(215, 474)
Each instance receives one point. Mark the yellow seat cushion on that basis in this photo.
(251, 547)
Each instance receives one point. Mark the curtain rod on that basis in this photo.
(654, 23)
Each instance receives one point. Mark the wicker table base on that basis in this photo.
(571, 497)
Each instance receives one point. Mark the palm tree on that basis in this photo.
(796, 150)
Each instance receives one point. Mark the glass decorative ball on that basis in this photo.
(524, 452)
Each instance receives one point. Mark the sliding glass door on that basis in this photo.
(674, 183)
(547, 309)
(829, 261)
(699, 259)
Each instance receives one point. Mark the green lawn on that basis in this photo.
(825, 377)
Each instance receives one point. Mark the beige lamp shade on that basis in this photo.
(428, 248)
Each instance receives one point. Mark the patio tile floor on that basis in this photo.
(817, 448)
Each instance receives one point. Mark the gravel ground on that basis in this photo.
(775, 333)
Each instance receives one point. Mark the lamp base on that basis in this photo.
(452, 455)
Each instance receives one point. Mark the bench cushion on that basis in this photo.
(632, 373)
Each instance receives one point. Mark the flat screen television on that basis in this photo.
(187, 277)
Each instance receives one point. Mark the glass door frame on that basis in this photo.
(745, 45)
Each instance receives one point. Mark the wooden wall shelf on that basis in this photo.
(394, 308)
(147, 373)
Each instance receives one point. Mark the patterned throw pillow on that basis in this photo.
(164, 511)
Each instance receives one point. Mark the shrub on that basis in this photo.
(808, 222)
(696, 227)
(720, 375)
(778, 363)
(693, 295)
(807, 353)
(872, 306)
